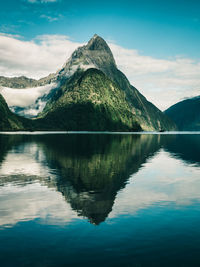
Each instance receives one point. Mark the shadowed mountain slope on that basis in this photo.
(10, 121)
(186, 114)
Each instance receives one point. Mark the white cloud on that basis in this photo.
(25, 97)
(31, 100)
(50, 18)
(41, 1)
(37, 58)
(163, 81)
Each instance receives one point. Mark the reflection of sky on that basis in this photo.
(24, 203)
(28, 161)
(22, 196)
(162, 179)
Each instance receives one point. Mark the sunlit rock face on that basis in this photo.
(96, 54)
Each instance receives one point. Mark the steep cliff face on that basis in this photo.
(186, 114)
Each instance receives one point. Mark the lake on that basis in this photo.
(91, 199)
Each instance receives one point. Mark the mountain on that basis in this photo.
(89, 100)
(24, 82)
(95, 95)
(10, 121)
(17, 82)
(91, 93)
(186, 114)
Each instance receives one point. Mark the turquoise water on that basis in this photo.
(99, 199)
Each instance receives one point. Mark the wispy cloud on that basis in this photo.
(41, 1)
(162, 81)
(50, 18)
(36, 58)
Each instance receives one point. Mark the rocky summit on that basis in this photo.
(91, 93)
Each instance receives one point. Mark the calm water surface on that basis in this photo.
(99, 200)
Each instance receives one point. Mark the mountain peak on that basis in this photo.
(97, 43)
(95, 36)
(96, 54)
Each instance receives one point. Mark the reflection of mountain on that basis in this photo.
(184, 146)
(93, 168)
(90, 169)
(6, 143)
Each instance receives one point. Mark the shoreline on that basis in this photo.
(95, 132)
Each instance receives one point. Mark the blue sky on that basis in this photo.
(155, 42)
(155, 27)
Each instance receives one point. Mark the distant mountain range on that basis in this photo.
(186, 114)
(88, 93)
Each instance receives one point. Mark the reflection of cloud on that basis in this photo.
(24, 163)
(31, 201)
(162, 180)
(21, 198)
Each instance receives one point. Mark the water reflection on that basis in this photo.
(185, 147)
(49, 172)
(88, 170)
(94, 168)
(164, 182)
(145, 188)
